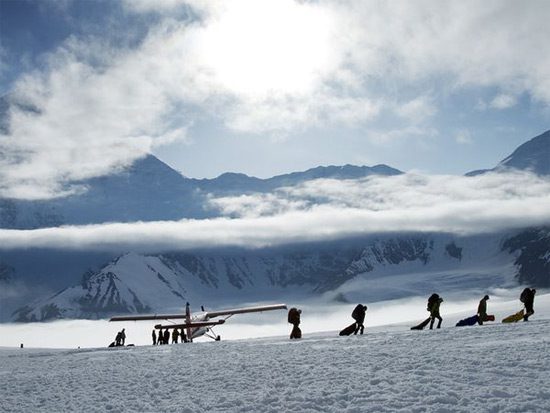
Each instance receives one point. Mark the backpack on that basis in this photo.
(293, 316)
(358, 312)
(525, 295)
(432, 300)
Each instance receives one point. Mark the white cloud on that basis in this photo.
(279, 80)
(408, 132)
(380, 193)
(349, 47)
(324, 210)
(90, 119)
(481, 105)
(272, 67)
(463, 136)
(154, 6)
(418, 109)
(257, 205)
(282, 115)
(503, 101)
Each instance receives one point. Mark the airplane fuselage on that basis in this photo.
(199, 331)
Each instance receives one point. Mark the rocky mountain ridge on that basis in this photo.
(137, 283)
(150, 190)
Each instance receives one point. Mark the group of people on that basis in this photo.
(527, 297)
(164, 336)
(358, 314)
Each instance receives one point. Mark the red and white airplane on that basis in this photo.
(199, 324)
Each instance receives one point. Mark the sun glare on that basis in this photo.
(258, 48)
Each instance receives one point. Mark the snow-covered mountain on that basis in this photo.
(236, 183)
(7, 274)
(350, 270)
(378, 267)
(532, 247)
(150, 190)
(533, 155)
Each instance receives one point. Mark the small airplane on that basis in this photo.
(199, 324)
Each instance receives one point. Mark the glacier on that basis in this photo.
(495, 367)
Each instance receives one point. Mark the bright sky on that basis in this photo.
(269, 87)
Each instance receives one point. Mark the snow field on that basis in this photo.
(490, 368)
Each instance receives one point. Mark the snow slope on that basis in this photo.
(493, 368)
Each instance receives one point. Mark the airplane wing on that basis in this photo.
(147, 317)
(212, 314)
(192, 325)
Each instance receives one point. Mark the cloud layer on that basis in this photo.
(324, 210)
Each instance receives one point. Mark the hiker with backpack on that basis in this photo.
(117, 339)
(294, 319)
(482, 310)
(433, 307)
(120, 338)
(358, 315)
(527, 297)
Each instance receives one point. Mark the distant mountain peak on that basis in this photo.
(345, 171)
(533, 156)
(321, 170)
(235, 183)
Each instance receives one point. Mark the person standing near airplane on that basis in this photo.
(175, 335)
(198, 325)
(154, 336)
(294, 319)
